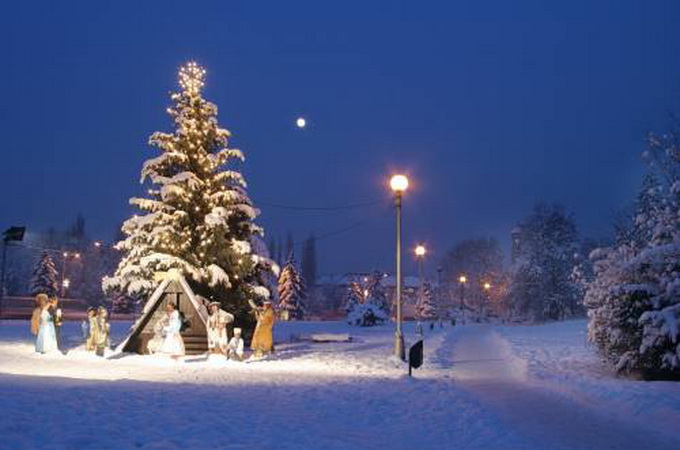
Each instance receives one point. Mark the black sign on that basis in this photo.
(415, 356)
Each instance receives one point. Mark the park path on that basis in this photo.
(483, 366)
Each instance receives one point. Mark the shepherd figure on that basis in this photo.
(263, 342)
(217, 329)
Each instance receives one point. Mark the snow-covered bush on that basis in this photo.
(366, 315)
(634, 299)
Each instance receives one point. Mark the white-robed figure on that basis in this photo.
(173, 344)
(235, 348)
(217, 329)
(47, 336)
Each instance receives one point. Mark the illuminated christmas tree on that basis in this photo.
(291, 292)
(197, 217)
(44, 280)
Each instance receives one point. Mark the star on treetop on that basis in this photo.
(191, 77)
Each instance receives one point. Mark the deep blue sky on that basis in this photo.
(488, 105)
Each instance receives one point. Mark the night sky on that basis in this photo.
(489, 106)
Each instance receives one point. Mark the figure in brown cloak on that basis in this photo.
(263, 341)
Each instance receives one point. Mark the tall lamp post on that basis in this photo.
(64, 281)
(462, 280)
(420, 252)
(399, 184)
(487, 288)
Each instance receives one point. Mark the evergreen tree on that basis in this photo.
(291, 292)
(309, 260)
(44, 280)
(197, 217)
(426, 308)
(367, 301)
(290, 244)
(542, 286)
(634, 299)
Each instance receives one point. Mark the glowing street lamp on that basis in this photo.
(462, 280)
(398, 184)
(301, 122)
(64, 281)
(420, 252)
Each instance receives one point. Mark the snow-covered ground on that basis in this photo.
(527, 387)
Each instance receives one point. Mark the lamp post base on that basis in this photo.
(399, 350)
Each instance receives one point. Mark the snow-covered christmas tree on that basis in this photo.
(292, 291)
(197, 217)
(44, 280)
(426, 309)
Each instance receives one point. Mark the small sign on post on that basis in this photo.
(415, 356)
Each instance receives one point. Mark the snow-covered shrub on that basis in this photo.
(366, 315)
(634, 299)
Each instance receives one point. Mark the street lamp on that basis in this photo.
(420, 252)
(64, 281)
(399, 184)
(462, 280)
(487, 287)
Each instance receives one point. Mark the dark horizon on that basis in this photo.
(489, 107)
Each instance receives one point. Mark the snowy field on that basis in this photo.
(524, 387)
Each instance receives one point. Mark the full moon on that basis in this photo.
(301, 122)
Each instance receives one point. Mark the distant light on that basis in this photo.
(420, 250)
(301, 122)
(462, 279)
(399, 183)
(487, 286)
(97, 244)
(67, 283)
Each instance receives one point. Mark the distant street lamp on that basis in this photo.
(420, 252)
(487, 288)
(399, 184)
(301, 122)
(462, 280)
(65, 283)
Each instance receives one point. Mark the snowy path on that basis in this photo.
(484, 366)
(481, 387)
